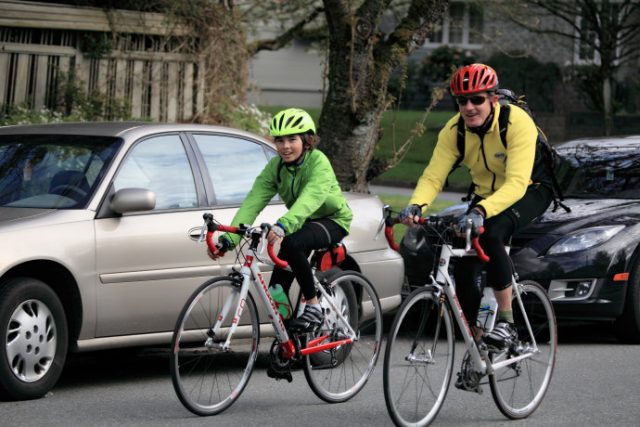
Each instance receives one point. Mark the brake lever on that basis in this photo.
(264, 228)
(468, 227)
(203, 232)
(386, 211)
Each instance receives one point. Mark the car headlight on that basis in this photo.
(584, 239)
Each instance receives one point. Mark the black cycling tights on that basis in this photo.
(498, 232)
(295, 249)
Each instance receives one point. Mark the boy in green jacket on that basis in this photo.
(318, 215)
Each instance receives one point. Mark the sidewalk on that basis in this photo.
(445, 195)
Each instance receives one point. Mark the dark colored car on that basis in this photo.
(588, 258)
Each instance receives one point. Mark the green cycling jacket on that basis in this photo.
(310, 190)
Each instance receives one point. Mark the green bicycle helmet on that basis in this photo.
(291, 121)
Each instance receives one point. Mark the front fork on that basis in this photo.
(239, 295)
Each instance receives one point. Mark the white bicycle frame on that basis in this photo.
(251, 275)
(443, 284)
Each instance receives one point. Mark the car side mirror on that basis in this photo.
(132, 200)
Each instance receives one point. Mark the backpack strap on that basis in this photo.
(503, 123)
(460, 144)
(460, 134)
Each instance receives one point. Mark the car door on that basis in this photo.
(147, 264)
(231, 164)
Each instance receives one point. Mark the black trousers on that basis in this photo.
(296, 248)
(498, 231)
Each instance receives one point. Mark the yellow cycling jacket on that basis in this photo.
(501, 175)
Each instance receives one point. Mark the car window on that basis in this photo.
(160, 164)
(233, 165)
(595, 172)
(52, 171)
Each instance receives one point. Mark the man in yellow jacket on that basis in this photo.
(511, 188)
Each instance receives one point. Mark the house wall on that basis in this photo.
(503, 35)
(292, 76)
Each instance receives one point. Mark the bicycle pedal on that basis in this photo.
(464, 386)
(272, 373)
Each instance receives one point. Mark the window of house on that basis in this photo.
(586, 41)
(461, 25)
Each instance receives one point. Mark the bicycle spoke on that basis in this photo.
(208, 380)
(338, 374)
(418, 360)
(518, 388)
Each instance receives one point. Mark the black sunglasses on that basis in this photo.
(475, 100)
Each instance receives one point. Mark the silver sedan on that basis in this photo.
(98, 229)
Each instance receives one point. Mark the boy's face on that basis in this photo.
(289, 147)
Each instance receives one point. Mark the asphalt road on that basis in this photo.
(595, 383)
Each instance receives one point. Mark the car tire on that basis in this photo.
(627, 326)
(33, 338)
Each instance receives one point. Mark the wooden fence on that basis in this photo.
(41, 44)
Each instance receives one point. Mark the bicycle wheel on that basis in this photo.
(206, 378)
(338, 374)
(418, 362)
(519, 388)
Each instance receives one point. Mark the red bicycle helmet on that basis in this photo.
(474, 78)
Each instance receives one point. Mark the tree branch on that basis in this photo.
(412, 30)
(565, 12)
(284, 38)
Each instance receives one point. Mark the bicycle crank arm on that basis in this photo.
(323, 347)
(504, 363)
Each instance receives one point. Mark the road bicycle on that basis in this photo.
(419, 357)
(216, 337)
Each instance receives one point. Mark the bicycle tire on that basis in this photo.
(518, 389)
(338, 374)
(207, 380)
(419, 358)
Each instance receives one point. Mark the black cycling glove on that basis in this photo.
(410, 212)
(477, 221)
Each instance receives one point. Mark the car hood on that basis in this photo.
(17, 218)
(545, 230)
(8, 215)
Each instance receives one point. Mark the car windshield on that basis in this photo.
(600, 169)
(52, 171)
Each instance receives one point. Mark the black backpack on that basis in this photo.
(548, 161)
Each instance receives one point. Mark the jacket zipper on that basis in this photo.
(486, 165)
(293, 180)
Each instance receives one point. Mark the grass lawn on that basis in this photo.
(397, 127)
